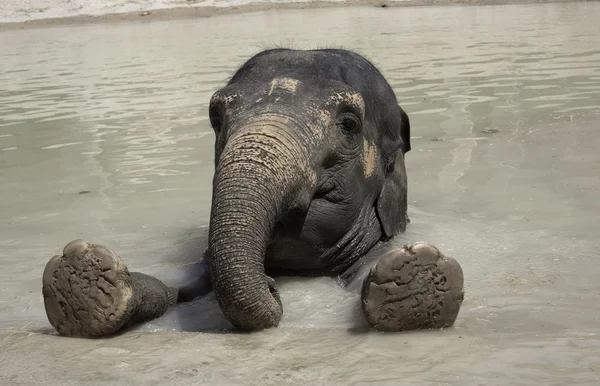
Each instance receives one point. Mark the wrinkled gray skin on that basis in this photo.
(309, 174)
(309, 177)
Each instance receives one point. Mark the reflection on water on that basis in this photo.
(104, 135)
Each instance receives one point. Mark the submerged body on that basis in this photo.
(309, 177)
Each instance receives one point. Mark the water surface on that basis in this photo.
(104, 135)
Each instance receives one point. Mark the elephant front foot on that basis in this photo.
(89, 292)
(414, 287)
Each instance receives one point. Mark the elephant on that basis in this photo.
(309, 177)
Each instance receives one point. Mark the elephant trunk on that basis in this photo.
(258, 176)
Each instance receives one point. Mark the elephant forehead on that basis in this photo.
(226, 97)
(369, 156)
(349, 97)
(285, 84)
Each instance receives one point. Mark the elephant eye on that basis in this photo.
(350, 122)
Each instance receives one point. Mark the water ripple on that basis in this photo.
(104, 134)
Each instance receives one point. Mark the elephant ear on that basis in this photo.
(392, 202)
(404, 130)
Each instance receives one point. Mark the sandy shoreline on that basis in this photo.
(191, 12)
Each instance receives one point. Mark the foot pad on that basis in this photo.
(415, 287)
(87, 291)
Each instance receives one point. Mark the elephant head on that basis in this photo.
(309, 174)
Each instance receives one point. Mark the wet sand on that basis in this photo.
(195, 11)
(104, 135)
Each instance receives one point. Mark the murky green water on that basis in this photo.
(104, 135)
